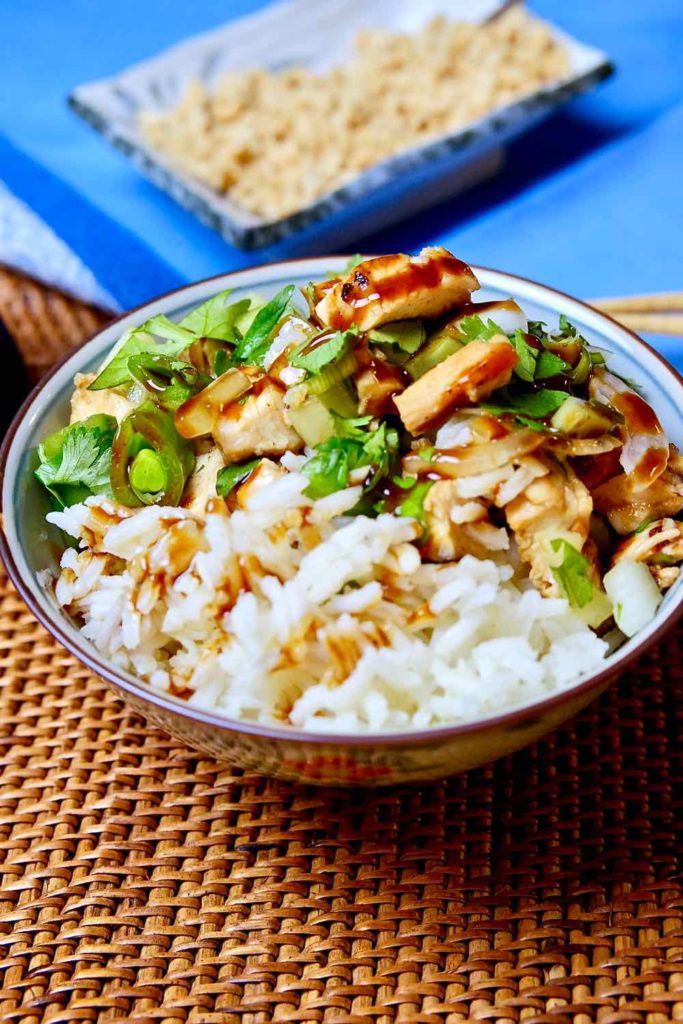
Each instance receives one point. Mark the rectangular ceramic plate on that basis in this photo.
(319, 33)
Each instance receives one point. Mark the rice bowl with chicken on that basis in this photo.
(378, 505)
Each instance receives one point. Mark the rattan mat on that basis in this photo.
(142, 882)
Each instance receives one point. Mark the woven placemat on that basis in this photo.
(142, 882)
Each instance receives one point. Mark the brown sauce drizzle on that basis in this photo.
(640, 417)
(182, 692)
(477, 308)
(651, 465)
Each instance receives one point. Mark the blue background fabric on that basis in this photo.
(590, 201)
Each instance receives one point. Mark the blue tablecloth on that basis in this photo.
(589, 201)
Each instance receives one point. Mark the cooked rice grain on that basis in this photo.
(288, 611)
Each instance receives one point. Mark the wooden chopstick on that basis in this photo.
(655, 323)
(660, 313)
(661, 302)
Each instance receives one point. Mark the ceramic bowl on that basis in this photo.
(31, 550)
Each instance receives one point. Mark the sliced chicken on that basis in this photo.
(464, 378)
(645, 452)
(257, 427)
(660, 546)
(377, 386)
(397, 287)
(627, 507)
(86, 403)
(665, 575)
(551, 506)
(201, 484)
(455, 528)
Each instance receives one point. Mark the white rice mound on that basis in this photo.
(287, 611)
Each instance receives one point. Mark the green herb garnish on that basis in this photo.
(230, 476)
(550, 365)
(314, 357)
(222, 362)
(535, 327)
(572, 574)
(253, 346)
(526, 356)
(406, 335)
(352, 447)
(215, 319)
(473, 328)
(140, 341)
(413, 504)
(404, 482)
(75, 461)
(536, 405)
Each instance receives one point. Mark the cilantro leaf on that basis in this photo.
(162, 327)
(74, 463)
(140, 341)
(572, 574)
(526, 356)
(230, 476)
(404, 482)
(407, 335)
(473, 328)
(413, 505)
(215, 319)
(550, 365)
(328, 470)
(253, 346)
(351, 448)
(351, 426)
(536, 405)
(380, 447)
(314, 357)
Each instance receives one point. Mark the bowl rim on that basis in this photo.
(137, 688)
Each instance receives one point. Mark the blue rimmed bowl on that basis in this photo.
(31, 551)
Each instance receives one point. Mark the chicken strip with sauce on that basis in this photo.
(397, 287)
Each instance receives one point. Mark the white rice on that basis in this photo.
(288, 611)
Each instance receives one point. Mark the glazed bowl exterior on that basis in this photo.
(31, 551)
